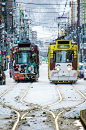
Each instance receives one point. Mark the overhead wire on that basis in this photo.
(43, 12)
(42, 3)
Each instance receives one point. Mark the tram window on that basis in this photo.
(70, 56)
(61, 56)
(21, 58)
(64, 56)
(54, 56)
(18, 58)
(24, 57)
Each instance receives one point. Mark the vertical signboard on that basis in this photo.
(71, 12)
(78, 13)
(83, 11)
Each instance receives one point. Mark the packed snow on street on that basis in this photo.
(39, 104)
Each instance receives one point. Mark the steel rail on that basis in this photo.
(56, 119)
(43, 108)
(18, 114)
(7, 91)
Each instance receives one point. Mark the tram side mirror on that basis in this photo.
(72, 57)
(54, 56)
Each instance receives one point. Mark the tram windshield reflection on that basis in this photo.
(64, 56)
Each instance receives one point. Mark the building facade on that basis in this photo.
(34, 37)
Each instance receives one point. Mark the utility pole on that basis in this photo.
(58, 30)
(83, 30)
(78, 24)
(0, 34)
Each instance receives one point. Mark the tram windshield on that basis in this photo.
(64, 56)
(22, 57)
(25, 57)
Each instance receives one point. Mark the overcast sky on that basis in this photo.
(43, 15)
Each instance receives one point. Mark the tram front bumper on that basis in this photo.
(64, 77)
(29, 76)
(19, 76)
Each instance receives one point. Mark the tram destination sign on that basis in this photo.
(24, 48)
(63, 46)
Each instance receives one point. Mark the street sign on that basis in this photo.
(5, 48)
(5, 53)
(8, 39)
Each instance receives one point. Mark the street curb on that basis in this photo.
(83, 117)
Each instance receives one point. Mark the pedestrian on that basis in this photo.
(10, 73)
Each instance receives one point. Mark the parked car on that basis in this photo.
(2, 76)
(84, 71)
(81, 70)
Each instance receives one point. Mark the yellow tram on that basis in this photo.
(63, 61)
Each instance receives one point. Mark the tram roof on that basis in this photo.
(74, 43)
(53, 43)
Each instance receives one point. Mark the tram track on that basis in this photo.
(19, 116)
(4, 93)
(54, 116)
(7, 91)
(46, 108)
(64, 111)
(82, 94)
(7, 106)
(24, 114)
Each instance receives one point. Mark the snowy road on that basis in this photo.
(41, 105)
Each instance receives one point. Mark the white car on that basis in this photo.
(81, 70)
(84, 71)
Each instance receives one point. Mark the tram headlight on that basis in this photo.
(69, 69)
(58, 69)
(19, 69)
